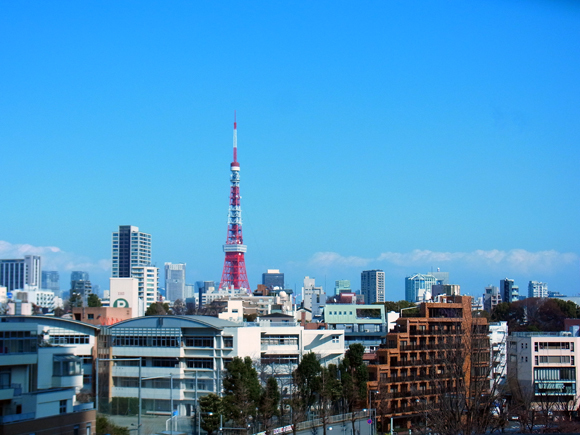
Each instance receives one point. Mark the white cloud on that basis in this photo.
(328, 259)
(54, 258)
(515, 260)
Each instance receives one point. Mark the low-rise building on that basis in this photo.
(194, 350)
(101, 316)
(44, 363)
(364, 324)
(545, 365)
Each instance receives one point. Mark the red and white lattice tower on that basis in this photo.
(234, 274)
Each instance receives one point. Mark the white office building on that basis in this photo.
(537, 289)
(41, 298)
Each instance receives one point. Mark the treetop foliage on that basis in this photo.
(94, 301)
(536, 314)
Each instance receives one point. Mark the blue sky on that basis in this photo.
(383, 134)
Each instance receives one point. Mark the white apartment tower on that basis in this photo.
(537, 289)
(175, 281)
(148, 281)
(372, 286)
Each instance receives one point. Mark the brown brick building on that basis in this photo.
(442, 353)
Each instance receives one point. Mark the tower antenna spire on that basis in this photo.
(235, 139)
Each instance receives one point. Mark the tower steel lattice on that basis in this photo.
(234, 273)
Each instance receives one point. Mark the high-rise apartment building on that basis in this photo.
(273, 278)
(51, 281)
(148, 280)
(15, 274)
(175, 281)
(418, 287)
(537, 289)
(372, 286)
(509, 291)
(130, 248)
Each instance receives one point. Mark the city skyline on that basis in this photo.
(379, 136)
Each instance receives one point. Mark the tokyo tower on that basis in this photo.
(234, 273)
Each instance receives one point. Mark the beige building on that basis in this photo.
(545, 366)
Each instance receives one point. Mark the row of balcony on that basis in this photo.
(436, 332)
(412, 378)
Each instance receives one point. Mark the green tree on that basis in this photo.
(329, 394)
(569, 308)
(241, 391)
(157, 309)
(354, 376)
(397, 306)
(94, 301)
(75, 300)
(501, 312)
(211, 410)
(269, 402)
(307, 376)
(105, 426)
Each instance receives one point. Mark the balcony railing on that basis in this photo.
(17, 417)
(84, 406)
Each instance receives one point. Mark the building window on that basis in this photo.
(536, 360)
(535, 347)
(336, 339)
(229, 342)
(199, 341)
(89, 429)
(4, 380)
(165, 362)
(76, 430)
(62, 407)
(91, 316)
(200, 363)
